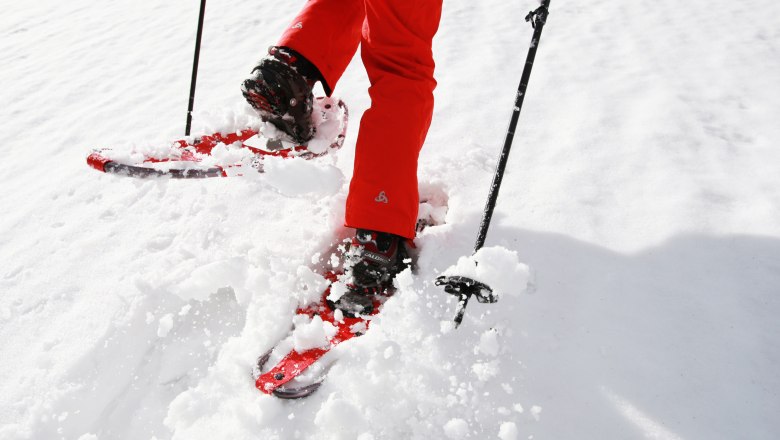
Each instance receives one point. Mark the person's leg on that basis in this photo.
(317, 46)
(396, 51)
(327, 33)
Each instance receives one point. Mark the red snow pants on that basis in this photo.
(395, 38)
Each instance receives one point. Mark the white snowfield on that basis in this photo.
(640, 216)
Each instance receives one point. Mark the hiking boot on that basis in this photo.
(280, 89)
(371, 262)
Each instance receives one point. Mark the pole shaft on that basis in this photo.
(510, 134)
(195, 61)
(463, 301)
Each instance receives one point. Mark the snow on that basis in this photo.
(312, 334)
(456, 428)
(496, 267)
(286, 177)
(488, 343)
(165, 325)
(508, 431)
(640, 206)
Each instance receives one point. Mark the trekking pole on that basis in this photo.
(195, 67)
(465, 287)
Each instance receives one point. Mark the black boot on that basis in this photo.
(371, 262)
(280, 89)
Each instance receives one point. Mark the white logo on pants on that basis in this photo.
(381, 198)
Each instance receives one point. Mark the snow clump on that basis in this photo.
(456, 428)
(296, 177)
(508, 431)
(496, 266)
(312, 334)
(165, 325)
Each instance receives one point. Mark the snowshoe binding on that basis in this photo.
(371, 261)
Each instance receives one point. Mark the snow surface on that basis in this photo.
(643, 192)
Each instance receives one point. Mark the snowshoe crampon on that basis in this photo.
(230, 154)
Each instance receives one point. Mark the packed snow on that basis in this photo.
(636, 238)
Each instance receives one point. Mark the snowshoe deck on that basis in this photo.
(296, 374)
(196, 158)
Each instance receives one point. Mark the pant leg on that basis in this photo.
(396, 51)
(327, 33)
